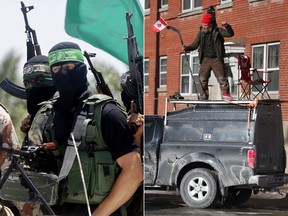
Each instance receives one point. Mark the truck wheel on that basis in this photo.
(237, 197)
(198, 188)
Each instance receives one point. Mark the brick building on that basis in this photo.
(261, 32)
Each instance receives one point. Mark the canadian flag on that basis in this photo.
(159, 25)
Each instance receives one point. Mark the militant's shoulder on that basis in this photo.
(98, 98)
(3, 109)
(46, 107)
(49, 102)
(5, 118)
(101, 103)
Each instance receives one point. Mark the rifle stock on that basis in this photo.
(33, 48)
(101, 85)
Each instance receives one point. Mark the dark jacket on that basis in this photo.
(218, 36)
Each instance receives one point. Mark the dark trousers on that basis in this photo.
(218, 68)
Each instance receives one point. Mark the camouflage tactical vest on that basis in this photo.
(100, 170)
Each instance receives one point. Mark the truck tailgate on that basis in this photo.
(269, 141)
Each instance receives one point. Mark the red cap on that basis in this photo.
(207, 19)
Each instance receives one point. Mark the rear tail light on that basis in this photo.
(251, 155)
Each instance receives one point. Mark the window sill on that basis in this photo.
(252, 1)
(190, 13)
(162, 89)
(224, 6)
(147, 12)
(163, 9)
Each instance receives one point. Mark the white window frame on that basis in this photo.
(146, 73)
(147, 10)
(191, 57)
(192, 7)
(162, 73)
(265, 63)
(164, 5)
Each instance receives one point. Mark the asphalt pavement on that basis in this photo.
(159, 202)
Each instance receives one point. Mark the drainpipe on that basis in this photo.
(157, 57)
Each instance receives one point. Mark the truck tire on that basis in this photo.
(199, 188)
(237, 197)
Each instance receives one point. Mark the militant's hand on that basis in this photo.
(25, 124)
(136, 119)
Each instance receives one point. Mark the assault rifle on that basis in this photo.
(7, 85)
(33, 48)
(132, 81)
(101, 85)
(16, 157)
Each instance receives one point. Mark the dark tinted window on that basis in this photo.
(149, 130)
(222, 131)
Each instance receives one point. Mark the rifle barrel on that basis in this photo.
(101, 86)
(32, 48)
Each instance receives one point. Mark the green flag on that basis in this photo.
(102, 23)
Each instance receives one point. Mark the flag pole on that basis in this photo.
(186, 56)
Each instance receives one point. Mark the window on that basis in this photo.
(187, 85)
(164, 3)
(163, 71)
(207, 131)
(188, 5)
(266, 57)
(163, 6)
(146, 73)
(147, 4)
(150, 126)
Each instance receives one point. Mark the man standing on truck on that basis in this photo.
(210, 44)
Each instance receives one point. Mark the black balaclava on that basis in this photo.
(38, 82)
(72, 86)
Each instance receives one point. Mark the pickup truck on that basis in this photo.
(216, 152)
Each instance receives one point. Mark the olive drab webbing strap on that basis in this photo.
(95, 111)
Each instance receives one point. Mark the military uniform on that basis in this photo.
(39, 87)
(8, 140)
(8, 135)
(7, 131)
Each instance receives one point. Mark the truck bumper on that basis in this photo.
(268, 180)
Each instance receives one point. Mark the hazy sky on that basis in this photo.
(47, 19)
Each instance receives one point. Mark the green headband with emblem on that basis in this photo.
(65, 55)
(36, 68)
(37, 75)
